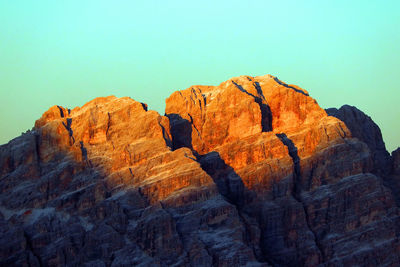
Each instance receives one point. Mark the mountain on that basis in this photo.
(252, 172)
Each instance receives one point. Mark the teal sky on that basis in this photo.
(69, 52)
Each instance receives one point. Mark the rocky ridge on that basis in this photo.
(250, 172)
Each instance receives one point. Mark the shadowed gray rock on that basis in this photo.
(365, 129)
(396, 161)
(283, 184)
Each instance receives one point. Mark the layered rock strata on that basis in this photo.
(366, 130)
(250, 172)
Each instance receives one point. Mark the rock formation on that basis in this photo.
(250, 172)
(396, 161)
(365, 129)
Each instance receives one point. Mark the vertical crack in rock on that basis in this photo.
(194, 126)
(259, 90)
(144, 106)
(129, 154)
(205, 101)
(61, 111)
(266, 114)
(341, 132)
(230, 185)
(297, 189)
(84, 154)
(296, 162)
(70, 131)
(166, 138)
(326, 133)
(130, 170)
(108, 124)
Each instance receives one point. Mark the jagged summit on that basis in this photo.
(251, 171)
(243, 106)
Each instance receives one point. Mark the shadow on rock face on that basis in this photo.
(181, 131)
(266, 114)
(229, 183)
(365, 129)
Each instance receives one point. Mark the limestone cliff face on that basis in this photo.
(251, 172)
(265, 110)
(365, 129)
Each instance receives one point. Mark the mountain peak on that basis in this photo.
(250, 172)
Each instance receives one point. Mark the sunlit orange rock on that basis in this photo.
(282, 146)
(208, 117)
(251, 172)
(127, 142)
(217, 115)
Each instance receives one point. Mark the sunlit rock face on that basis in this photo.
(249, 172)
(270, 119)
(118, 138)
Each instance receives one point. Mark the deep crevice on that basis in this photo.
(293, 153)
(167, 140)
(297, 189)
(84, 154)
(259, 90)
(230, 185)
(204, 99)
(181, 131)
(70, 131)
(144, 106)
(61, 111)
(291, 87)
(194, 126)
(108, 123)
(266, 114)
(342, 131)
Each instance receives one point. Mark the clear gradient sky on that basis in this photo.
(69, 52)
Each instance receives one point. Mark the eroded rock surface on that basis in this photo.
(396, 161)
(366, 130)
(251, 172)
